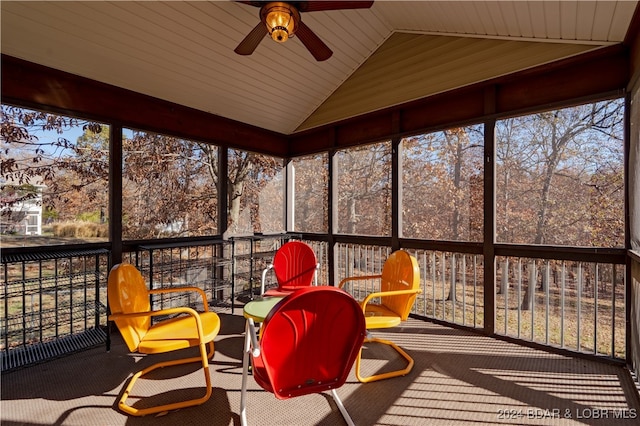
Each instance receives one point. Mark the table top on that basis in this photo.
(258, 309)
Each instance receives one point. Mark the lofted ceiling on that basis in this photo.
(394, 52)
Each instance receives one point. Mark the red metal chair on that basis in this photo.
(295, 265)
(308, 344)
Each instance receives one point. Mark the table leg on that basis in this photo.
(245, 373)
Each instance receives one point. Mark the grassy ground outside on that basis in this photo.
(578, 326)
(7, 241)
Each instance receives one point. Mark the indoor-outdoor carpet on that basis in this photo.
(459, 378)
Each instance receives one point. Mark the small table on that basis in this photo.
(255, 310)
(258, 309)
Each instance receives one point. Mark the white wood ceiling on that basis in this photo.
(182, 51)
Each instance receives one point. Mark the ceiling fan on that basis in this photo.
(281, 20)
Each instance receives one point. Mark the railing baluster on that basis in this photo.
(533, 280)
(614, 281)
(96, 315)
(547, 279)
(562, 302)
(475, 290)
(463, 268)
(579, 305)
(433, 281)
(6, 306)
(70, 296)
(595, 308)
(444, 284)
(452, 288)
(85, 297)
(41, 307)
(519, 296)
(423, 276)
(24, 303)
(505, 291)
(55, 292)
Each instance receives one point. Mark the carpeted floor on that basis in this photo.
(459, 378)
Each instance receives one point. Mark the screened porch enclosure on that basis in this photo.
(559, 276)
(517, 195)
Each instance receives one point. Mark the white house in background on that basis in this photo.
(21, 207)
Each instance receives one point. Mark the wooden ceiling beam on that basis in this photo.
(604, 71)
(35, 86)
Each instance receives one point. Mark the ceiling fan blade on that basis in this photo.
(252, 40)
(312, 42)
(252, 3)
(315, 6)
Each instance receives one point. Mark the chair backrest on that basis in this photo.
(294, 265)
(400, 272)
(127, 293)
(310, 340)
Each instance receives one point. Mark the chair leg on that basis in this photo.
(245, 373)
(343, 411)
(203, 358)
(389, 374)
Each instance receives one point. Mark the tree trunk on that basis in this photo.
(504, 279)
(235, 195)
(452, 280)
(529, 294)
(351, 220)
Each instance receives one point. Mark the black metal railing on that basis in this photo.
(576, 305)
(633, 360)
(52, 302)
(204, 264)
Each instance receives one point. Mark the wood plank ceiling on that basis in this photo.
(394, 52)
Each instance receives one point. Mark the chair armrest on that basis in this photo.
(315, 274)
(383, 294)
(169, 311)
(359, 278)
(264, 277)
(184, 290)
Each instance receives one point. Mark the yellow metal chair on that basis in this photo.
(390, 305)
(129, 303)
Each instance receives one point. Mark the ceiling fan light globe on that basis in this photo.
(281, 20)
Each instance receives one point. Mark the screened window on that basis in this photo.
(169, 187)
(560, 177)
(54, 183)
(310, 175)
(256, 193)
(442, 185)
(363, 177)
